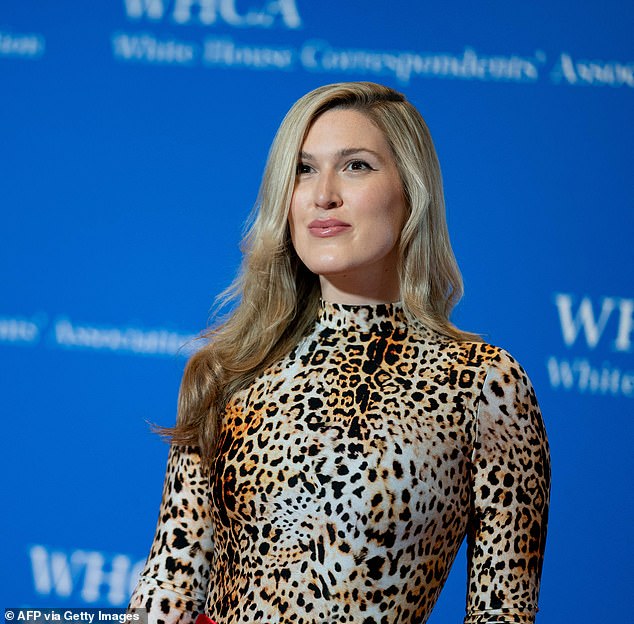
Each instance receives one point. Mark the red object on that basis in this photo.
(203, 619)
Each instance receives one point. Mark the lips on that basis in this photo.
(323, 228)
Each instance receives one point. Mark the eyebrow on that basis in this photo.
(342, 153)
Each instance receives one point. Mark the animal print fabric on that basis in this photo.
(346, 477)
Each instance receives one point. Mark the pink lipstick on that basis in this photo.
(323, 228)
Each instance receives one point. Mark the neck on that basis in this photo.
(341, 290)
(377, 318)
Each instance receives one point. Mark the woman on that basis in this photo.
(337, 435)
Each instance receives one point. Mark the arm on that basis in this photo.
(173, 584)
(510, 494)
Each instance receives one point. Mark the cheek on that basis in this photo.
(399, 221)
(399, 213)
(291, 219)
(294, 230)
(392, 217)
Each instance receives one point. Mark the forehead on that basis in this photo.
(345, 128)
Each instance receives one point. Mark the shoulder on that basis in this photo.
(490, 370)
(506, 378)
(508, 413)
(479, 356)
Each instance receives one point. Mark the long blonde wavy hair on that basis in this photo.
(276, 297)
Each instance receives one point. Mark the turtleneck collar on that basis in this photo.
(367, 318)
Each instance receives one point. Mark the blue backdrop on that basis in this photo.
(133, 134)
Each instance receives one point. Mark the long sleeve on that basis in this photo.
(510, 494)
(173, 584)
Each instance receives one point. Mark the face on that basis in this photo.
(348, 209)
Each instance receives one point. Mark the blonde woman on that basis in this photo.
(337, 436)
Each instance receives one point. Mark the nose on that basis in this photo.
(327, 191)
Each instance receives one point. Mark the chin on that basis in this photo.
(327, 266)
(330, 270)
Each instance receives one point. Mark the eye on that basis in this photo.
(359, 165)
(303, 168)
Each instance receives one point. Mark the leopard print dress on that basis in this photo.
(347, 476)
